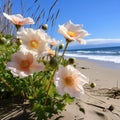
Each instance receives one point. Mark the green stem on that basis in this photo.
(51, 80)
(6, 83)
(33, 87)
(67, 43)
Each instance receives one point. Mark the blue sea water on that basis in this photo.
(105, 54)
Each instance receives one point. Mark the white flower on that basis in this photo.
(69, 80)
(51, 52)
(73, 32)
(35, 40)
(19, 19)
(24, 63)
(54, 42)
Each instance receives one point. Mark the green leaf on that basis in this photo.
(8, 36)
(68, 99)
(36, 106)
(61, 106)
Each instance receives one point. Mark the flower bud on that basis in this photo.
(53, 62)
(45, 26)
(71, 60)
(61, 46)
(92, 85)
(2, 40)
(19, 41)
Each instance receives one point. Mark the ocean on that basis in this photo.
(104, 54)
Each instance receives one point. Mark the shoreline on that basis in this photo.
(106, 64)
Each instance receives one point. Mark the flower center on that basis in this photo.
(69, 81)
(34, 44)
(24, 64)
(71, 33)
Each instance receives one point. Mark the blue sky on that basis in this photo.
(101, 18)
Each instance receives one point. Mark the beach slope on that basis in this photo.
(99, 103)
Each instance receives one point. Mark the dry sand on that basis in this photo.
(99, 103)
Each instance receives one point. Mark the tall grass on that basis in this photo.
(40, 13)
(5, 26)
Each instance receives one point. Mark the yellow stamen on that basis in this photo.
(71, 33)
(34, 44)
(69, 81)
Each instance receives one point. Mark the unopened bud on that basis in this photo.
(71, 60)
(45, 26)
(2, 40)
(61, 46)
(19, 41)
(92, 85)
(53, 62)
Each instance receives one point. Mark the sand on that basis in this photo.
(99, 103)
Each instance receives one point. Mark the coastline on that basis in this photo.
(105, 64)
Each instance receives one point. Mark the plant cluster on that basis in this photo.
(33, 66)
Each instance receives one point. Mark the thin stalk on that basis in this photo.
(33, 87)
(51, 79)
(67, 43)
(6, 83)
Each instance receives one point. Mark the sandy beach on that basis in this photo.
(99, 103)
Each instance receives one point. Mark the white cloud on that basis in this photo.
(97, 42)
(102, 41)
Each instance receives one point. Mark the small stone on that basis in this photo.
(111, 108)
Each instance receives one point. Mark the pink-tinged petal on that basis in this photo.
(72, 32)
(36, 67)
(82, 42)
(19, 19)
(7, 16)
(70, 80)
(29, 20)
(34, 40)
(24, 63)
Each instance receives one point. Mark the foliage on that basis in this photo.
(33, 69)
(32, 87)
